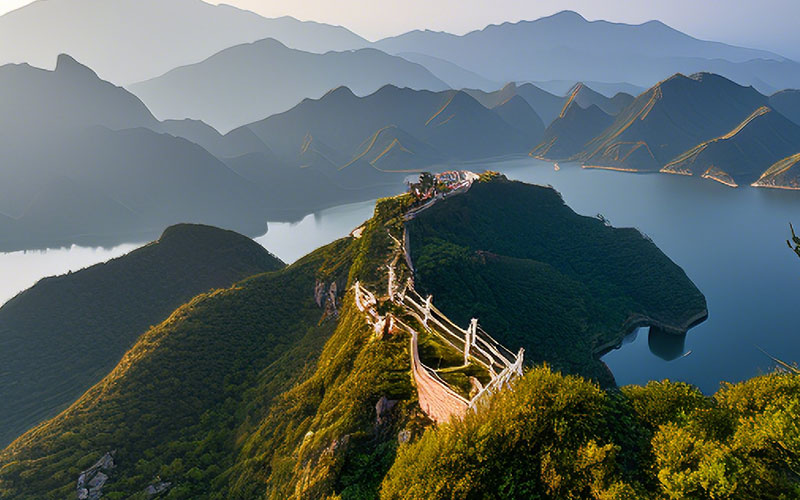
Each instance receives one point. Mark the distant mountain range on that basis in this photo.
(105, 169)
(112, 172)
(566, 46)
(94, 315)
(549, 106)
(128, 41)
(703, 125)
(249, 82)
(393, 130)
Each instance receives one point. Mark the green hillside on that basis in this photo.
(278, 387)
(557, 437)
(539, 276)
(64, 334)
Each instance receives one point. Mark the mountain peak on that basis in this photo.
(340, 92)
(66, 64)
(565, 15)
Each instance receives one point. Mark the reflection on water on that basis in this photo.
(290, 241)
(21, 270)
(666, 346)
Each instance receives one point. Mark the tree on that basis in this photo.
(794, 241)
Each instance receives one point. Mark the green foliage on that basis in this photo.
(546, 439)
(66, 333)
(175, 404)
(563, 286)
(558, 437)
(254, 392)
(794, 241)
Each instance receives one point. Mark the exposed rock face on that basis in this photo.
(326, 296)
(92, 480)
(155, 489)
(383, 411)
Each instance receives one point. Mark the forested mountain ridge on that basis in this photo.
(278, 387)
(94, 315)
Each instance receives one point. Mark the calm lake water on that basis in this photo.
(731, 243)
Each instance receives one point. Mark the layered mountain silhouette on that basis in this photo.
(742, 155)
(787, 103)
(574, 128)
(549, 106)
(249, 82)
(566, 46)
(425, 126)
(452, 74)
(106, 168)
(670, 118)
(702, 125)
(94, 315)
(128, 41)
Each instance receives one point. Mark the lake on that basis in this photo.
(730, 242)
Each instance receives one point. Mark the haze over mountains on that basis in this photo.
(104, 170)
(249, 82)
(566, 46)
(128, 41)
(703, 125)
(124, 40)
(112, 168)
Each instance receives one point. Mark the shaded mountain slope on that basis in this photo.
(546, 105)
(455, 76)
(69, 97)
(103, 146)
(569, 134)
(451, 123)
(124, 40)
(670, 118)
(783, 174)
(61, 336)
(188, 383)
(586, 97)
(211, 140)
(787, 103)
(744, 153)
(517, 112)
(249, 82)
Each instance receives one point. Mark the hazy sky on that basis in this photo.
(768, 24)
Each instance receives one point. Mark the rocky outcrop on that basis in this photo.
(327, 297)
(92, 480)
(156, 488)
(383, 410)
